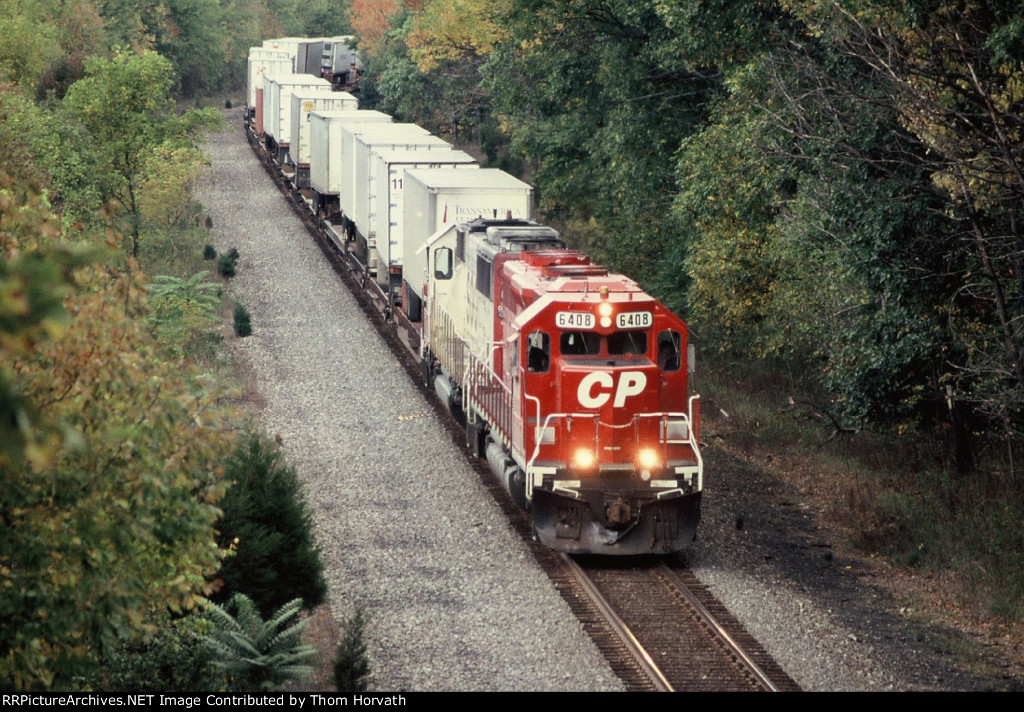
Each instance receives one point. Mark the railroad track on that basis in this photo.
(678, 636)
(657, 626)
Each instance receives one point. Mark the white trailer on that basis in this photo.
(299, 145)
(304, 51)
(277, 104)
(260, 62)
(436, 200)
(325, 175)
(356, 142)
(380, 199)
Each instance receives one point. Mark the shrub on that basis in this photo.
(209, 253)
(174, 659)
(267, 524)
(243, 322)
(226, 266)
(258, 655)
(183, 309)
(227, 103)
(209, 222)
(233, 254)
(351, 667)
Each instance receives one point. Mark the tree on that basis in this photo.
(351, 666)
(454, 31)
(81, 33)
(28, 42)
(594, 96)
(124, 105)
(371, 19)
(259, 655)
(268, 527)
(195, 42)
(952, 70)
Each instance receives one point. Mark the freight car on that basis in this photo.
(572, 382)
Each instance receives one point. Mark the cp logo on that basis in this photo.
(596, 388)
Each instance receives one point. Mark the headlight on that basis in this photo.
(647, 459)
(604, 309)
(583, 459)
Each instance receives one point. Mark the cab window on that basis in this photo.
(669, 351)
(580, 343)
(538, 352)
(443, 263)
(627, 343)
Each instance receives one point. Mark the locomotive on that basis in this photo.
(571, 382)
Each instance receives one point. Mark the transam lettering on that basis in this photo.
(596, 388)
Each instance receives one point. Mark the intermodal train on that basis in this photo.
(574, 384)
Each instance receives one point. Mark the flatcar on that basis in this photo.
(574, 384)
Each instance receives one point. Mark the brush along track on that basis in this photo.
(403, 342)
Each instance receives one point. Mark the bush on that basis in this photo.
(258, 655)
(227, 103)
(351, 667)
(233, 254)
(267, 524)
(209, 253)
(225, 266)
(243, 322)
(174, 659)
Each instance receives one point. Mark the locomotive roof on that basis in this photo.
(570, 271)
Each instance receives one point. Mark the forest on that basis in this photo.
(830, 192)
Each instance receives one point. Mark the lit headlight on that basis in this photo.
(584, 459)
(604, 309)
(647, 459)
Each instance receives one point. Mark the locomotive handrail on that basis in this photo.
(473, 385)
(664, 416)
(690, 439)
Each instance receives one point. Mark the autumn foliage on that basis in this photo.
(106, 460)
(371, 19)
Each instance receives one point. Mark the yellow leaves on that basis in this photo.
(452, 30)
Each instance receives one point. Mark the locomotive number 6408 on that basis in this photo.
(574, 320)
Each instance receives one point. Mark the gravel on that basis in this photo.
(455, 600)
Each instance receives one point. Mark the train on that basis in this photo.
(571, 382)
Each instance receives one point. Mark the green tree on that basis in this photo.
(107, 460)
(351, 666)
(125, 107)
(195, 41)
(28, 42)
(952, 72)
(593, 96)
(267, 525)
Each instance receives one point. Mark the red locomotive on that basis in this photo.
(571, 381)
